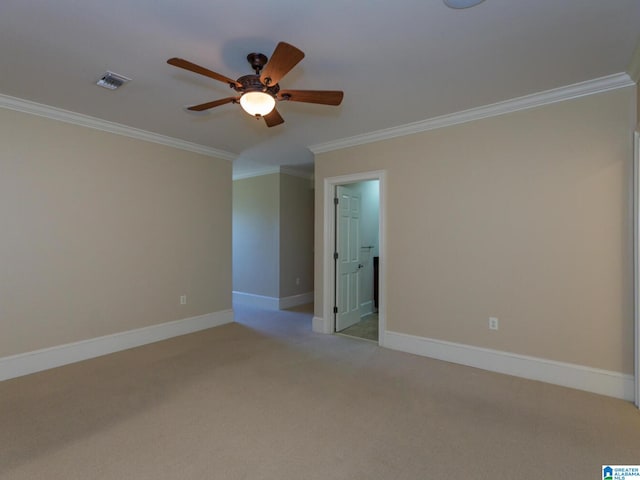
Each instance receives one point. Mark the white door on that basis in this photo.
(348, 262)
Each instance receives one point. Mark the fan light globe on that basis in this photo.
(257, 103)
(458, 4)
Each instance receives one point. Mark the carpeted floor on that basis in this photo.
(265, 398)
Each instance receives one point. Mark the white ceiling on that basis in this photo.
(397, 62)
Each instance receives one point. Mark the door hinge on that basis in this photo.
(335, 255)
(336, 201)
(335, 309)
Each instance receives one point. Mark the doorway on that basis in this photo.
(352, 290)
(357, 247)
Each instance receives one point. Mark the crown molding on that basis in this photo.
(260, 171)
(26, 106)
(590, 87)
(257, 172)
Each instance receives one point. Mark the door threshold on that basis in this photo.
(356, 338)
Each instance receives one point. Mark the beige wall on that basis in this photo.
(102, 233)
(256, 235)
(296, 235)
(273, 235)
(525, 216)
(638, 105)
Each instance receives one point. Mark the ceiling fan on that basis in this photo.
(260, 91)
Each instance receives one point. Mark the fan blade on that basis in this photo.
(283, 59)
(192, 67)
(323, 97)
(272, 119)
(215, 103)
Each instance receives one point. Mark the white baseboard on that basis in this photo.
(295, 300)
(259, 301)
(44, 359)
(271, 303)
(366, 308)
(604, 382)
(319, 325)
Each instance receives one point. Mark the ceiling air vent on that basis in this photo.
(112, 81)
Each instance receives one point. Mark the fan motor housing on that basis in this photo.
(252, 83)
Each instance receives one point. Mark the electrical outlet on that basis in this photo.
(493, 323)
(183, 299)
(298, 281)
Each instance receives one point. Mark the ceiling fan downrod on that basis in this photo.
(257, 61)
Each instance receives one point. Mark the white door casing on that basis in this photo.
(348, 266)
(636, 261)
(325, 322)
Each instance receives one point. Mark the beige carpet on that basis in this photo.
(268, 399)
